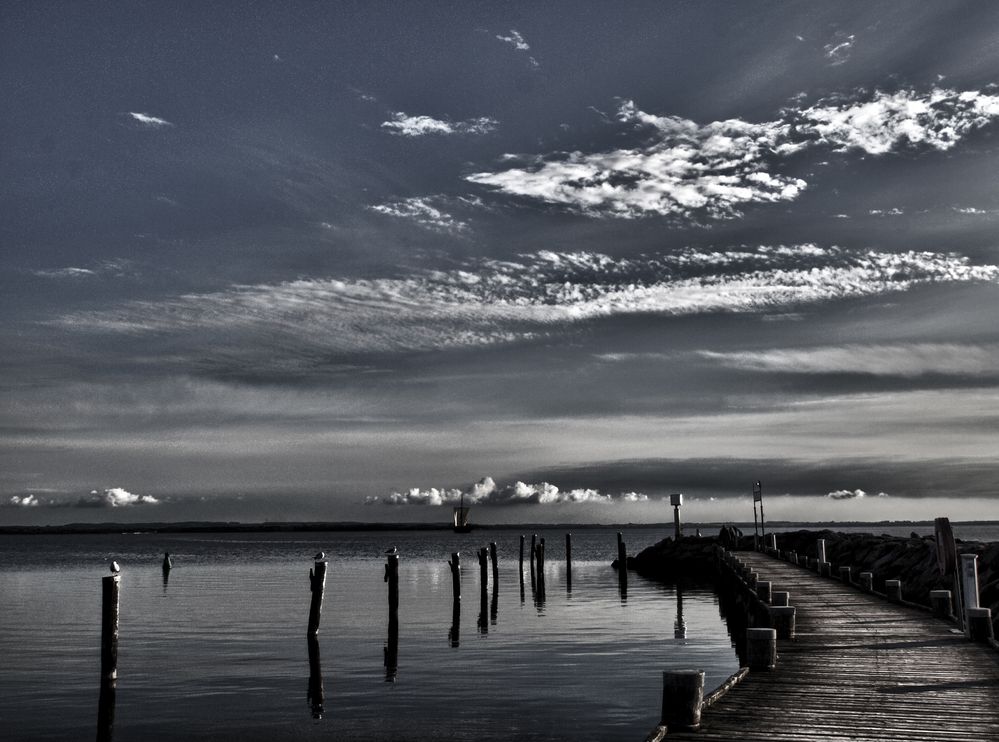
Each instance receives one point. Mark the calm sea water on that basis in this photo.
(219, 651)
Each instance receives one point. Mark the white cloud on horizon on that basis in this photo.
(113, 497)
(487, 492)
(405, 125)
(153, 122)
(715, 169)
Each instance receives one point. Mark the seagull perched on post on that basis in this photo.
(393, 550)
(320, 556)
(115, 567)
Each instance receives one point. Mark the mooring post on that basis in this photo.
(980, 624)
(167, 562)
(683, 696)
(110, 588)
(940, 601)
(534, 551)
(844, 575)
(893, 590)
(493, 559)
(392, 578)
(315, 695)
(521, 562)
(764, 590)
(484, 589)
(317, 584)
(105, 711)
(761, 649)
(568, 562)
(780, 598)
(455, 565)
(782, 621)
(622, 556)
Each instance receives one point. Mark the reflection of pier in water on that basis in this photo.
(315, 695)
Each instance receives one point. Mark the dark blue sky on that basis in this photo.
(266, 260)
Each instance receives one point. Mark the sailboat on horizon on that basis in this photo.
(461, 524)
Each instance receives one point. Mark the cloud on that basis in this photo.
(684, 169)
(838, 50)
(485, 302)
(27, 501)
(422, 210)
(486, 492)
(515, 40)
(115, 497)
(153, 122)
(116, 268)
(907, 361)
(846, 494)
(886, 212)
(404, 125)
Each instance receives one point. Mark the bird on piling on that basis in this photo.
(115, 567)
(393, 550)
(320, 556)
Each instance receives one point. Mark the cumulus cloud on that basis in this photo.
(27, 501)
(153, 122)
(116, 497)
(846, 494)
(423, 211)
(405, 125)
(904, 360)
(515, 40)
(685, 169)
(484, 302)
(487, 492)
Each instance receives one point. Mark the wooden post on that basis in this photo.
(521, 557)
(392, 578)
(110, 587)
(752, 579)
(493, 559)
(980, 624)
(825, 569)
(940, 601)
(969, 580)
(792, 556)
(782, 620)
(866, 581)
(844, 575)
(820, 549)
(317, 584)
(568, 562)
(761, 649)
(105, 711)
(893, 590)
(167, 562)
(454, 633)
(534, 551)
(683, 695)
(622, 556)
(764, 590)
(455, 565)
(316, 696)
(484, 590)
(773, 541)
(780, 598)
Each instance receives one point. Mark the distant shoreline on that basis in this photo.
(310, 527)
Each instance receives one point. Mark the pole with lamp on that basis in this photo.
(676, 500)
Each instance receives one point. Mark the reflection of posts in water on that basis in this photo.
(105, 711)
(484, 590)
(455, 630)
(392, 645)
(315, 695)
(680, 626)
(568, 562)
(317, 584)
(109, 626)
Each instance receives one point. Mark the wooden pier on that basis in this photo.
(860, 669)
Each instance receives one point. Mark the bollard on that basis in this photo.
(761, 649)
(780, 598)
(893, 590)
(782, 620)
(110, 587)
(763, 590)
(825, 569)
(683, 695)
(941, 604)
(980, 625)
(844, 575)
(866, 581)
(317, 584)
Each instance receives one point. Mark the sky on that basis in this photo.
(352, 261)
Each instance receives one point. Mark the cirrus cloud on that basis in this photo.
(404, 125)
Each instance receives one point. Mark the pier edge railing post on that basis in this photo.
(780, 598)
(764, 590)
(110, 589)
(761, 649)
(683, 697)
(317, 584)
(940, 602)
(782, 619)
(893, 590)
(980, 625)
(866, 581)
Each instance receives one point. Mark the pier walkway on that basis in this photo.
(860, 669)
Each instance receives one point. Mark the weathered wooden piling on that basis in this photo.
(820, 550)
(534, 551)
(521, 562)
(780, 598)
(941, 604)
(167, 562)
(752, 579)
(844, 575)
(893, 590)
(825, 569)
(782, 619)
(866, 580)
(764, 590)
(105, 711)
(761, 649)
(317, 584)
(683, 696)
(392, 578)
(484, 589)
(495, 562)
(110, 588)
(316, 695)
(980, 624)
(455, 565)
(622, 563)
(568, 562)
